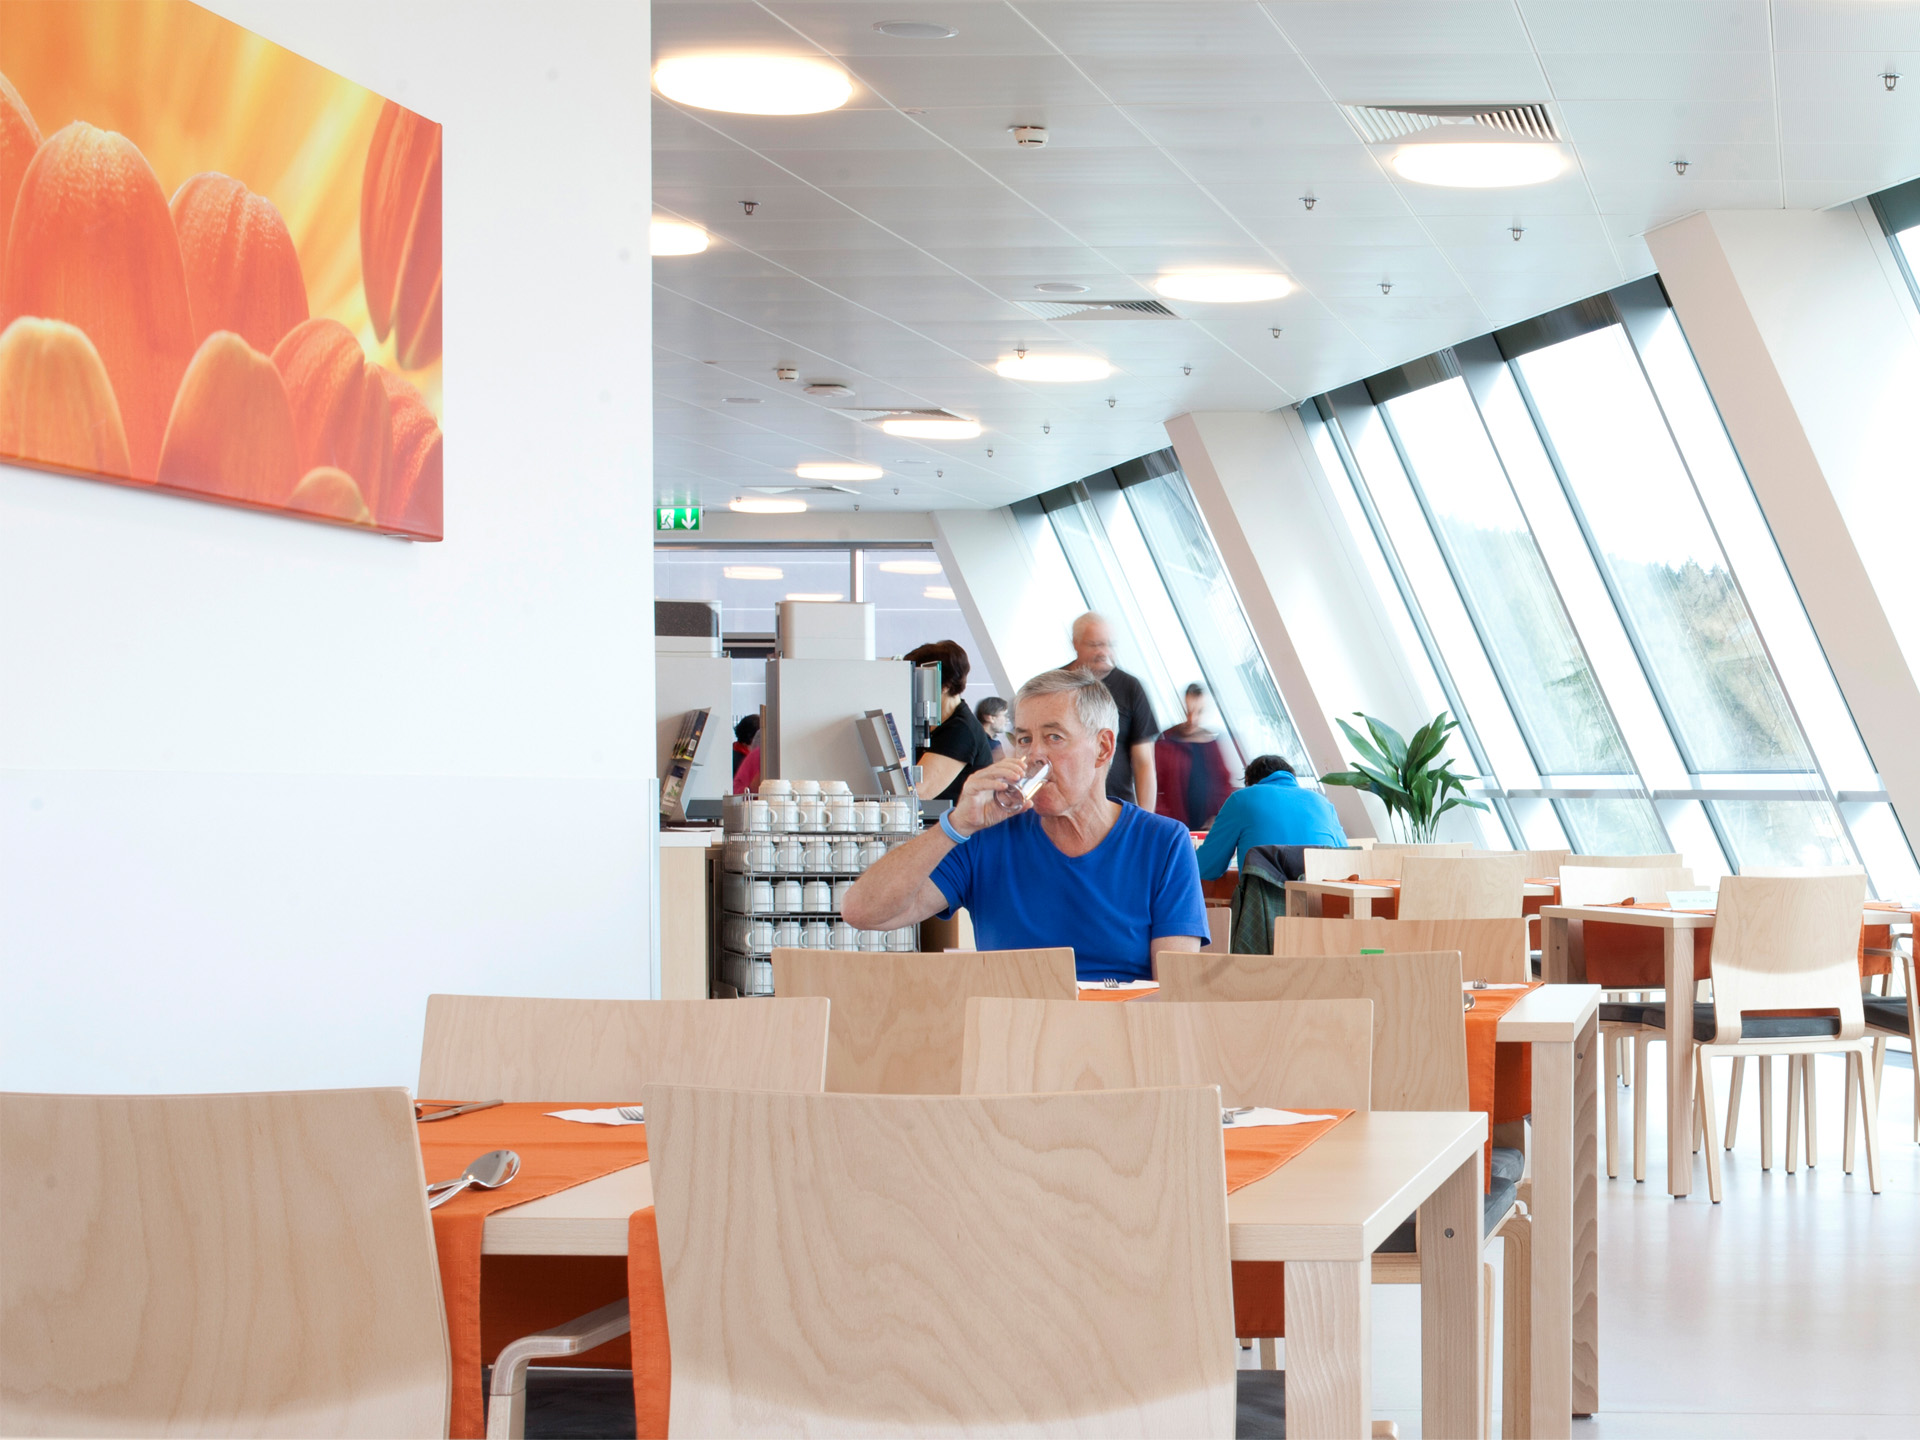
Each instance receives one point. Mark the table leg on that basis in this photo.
(1562, 951)
(1452, 1384)
(1679, 958)
(1586, 1222)
(1552, 1205)
(1330, 1348)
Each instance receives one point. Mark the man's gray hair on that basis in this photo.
(1092, 701)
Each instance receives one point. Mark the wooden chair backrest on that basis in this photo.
(219, 1265)
(1306, 1055)
(1610, 884)
(900, 1021)
(1419, 1025)
(502, 1047)
(937, 1264)
(1631, 862)
(1464, 887)
(1777, 871)
(1219, 929)
(1491, 950)
(1544, 864)
(1327, 864)
(1787, 943)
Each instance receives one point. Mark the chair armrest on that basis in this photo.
(575, 1337)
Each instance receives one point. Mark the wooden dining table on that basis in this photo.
(1355, 892)
(1323, 1213)
(1563, 961)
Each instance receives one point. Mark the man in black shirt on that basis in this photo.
(1093, 653)
(958, 745)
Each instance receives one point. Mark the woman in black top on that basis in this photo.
(958, 745)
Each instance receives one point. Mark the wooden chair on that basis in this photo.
(1544, 864)
(1328, 864)
(1419, 1063)
(219, 1265)
(1490, 950)
(501, 1047)
(1630, 862)
(1788, 944)
(899, 1021)
(938, 1264)
(1893, 1015)
(1485, 886)
(1219, 929)
(1292, 1056)
(510, 1048)
(1620, 1022)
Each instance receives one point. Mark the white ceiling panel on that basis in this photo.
(894, 240)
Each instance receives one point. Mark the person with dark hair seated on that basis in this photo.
(1271, 810)
(958, 745)
(744, 734)
(994, 719)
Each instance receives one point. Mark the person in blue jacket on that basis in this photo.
(1271, 810)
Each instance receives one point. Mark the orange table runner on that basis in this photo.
(515, 1295)
(1499, 1075)
(1104, 994)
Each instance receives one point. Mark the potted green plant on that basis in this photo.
(1408, 776)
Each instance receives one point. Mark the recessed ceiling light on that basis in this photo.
(739, 399)
(1052, 368)
(751, 506)
(932, 429)
(938, 592)
(838, 472)
(911, 567)
(914, 30)
(1060, 287)
(798, 595)
(753, 572)
(1223, 287)
(674, 237)
(1479, 164)
(754, 84)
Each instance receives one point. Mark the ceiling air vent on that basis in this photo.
(1097, 309)
(1381, 124)
(800, 490)
(874, 417)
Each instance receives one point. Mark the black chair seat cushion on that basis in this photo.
(1886, 1012)
(1508, 1166)
(1752, 1027)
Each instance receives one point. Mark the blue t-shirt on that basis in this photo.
(1138, 884)
(1276, 811)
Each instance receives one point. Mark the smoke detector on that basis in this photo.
(786, 372)
(1030, 137)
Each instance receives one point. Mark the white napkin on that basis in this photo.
(1123, 985)
(1498, 985)
(598, 1117)
(1261, 1115)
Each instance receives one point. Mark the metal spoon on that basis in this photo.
(489, 1172)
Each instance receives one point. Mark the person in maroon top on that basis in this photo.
(1192, 771)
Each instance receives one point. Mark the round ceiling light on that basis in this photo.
(753, 505)
(938, 592)
(915, 30)
(1479, 164)
(753, 572)
(754, 84)
(837, 471)
(675, 237)
(911, 567)
(1223, 287)
(931, 429)
(1052, 368)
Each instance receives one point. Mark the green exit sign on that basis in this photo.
(676, 517)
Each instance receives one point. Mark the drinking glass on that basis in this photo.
(1018, 794)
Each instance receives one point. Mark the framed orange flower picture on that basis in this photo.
(219, 267)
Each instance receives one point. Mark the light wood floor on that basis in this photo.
(1789, 1310)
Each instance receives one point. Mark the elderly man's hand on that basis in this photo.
(977, 808)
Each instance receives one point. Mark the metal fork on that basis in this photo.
(632, 1112)
(1226, 1116)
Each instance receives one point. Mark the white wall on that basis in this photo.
(1020, 614)
(265, 784)
(1810, 344)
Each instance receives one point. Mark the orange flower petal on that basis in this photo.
(400, 234)
(56, 405)
(92, 244)
(330, 492)
(232, 430)
(19, 138)
(412, 499)
(243, 273)
(340, 413)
